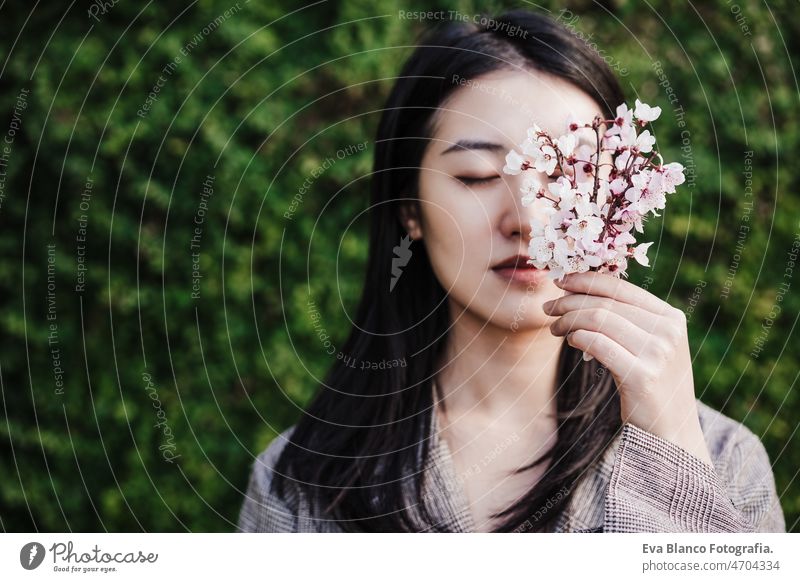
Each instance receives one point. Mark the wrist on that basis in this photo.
(688, 436)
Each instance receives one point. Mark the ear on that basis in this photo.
(410, 219)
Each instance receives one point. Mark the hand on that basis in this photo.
(643, 343)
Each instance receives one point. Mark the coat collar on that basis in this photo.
(448, 502)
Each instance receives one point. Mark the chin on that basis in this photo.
(517, 316)
(529, 324)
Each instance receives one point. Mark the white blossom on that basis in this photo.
(530, 188)
(640, 254)
(643, 112)
(514, 163)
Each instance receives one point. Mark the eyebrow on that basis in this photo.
(466, 144)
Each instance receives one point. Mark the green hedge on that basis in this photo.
(130, 404)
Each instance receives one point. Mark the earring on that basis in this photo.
(412, 230)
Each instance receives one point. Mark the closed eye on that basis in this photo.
(476, 180)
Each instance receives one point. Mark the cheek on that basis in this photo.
(457, 228)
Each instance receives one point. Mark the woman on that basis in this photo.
(495, 422)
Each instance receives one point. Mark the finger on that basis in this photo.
(593, 283)
(619, 361)
(630, 336)
(575, 301)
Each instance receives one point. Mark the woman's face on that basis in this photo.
(469, 227)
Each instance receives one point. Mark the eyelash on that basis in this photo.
(468, 181)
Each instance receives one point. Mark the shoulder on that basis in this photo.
(261, 510)
(736, 451)
(722, 433)
(266, 460)
(269, 456)
(744, 469)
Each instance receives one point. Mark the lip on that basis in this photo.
(513, 261)
(517, 269)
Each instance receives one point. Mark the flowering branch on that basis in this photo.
(592, 206)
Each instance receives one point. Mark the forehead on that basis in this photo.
(506, 103)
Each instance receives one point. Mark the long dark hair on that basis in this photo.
(366, 433)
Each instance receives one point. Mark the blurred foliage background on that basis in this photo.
(164, 398)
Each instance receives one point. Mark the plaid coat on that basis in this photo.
(642, 483)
